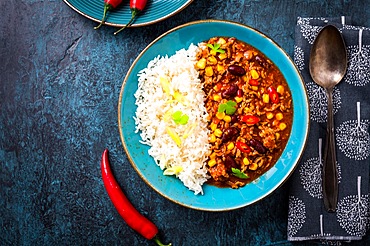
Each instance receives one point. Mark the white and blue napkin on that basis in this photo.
(307, 218)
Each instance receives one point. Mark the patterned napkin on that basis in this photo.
(308, 219)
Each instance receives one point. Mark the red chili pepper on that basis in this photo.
(250, 119)
(253, 82)
(136, 6)
(274, 96)
(243, 147)
(108, 6)
(127, 211)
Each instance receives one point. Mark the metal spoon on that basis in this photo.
(328, 65)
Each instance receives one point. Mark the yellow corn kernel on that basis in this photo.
(255, 88)
(220, 68)
(213, 155)
(221, 41)
(209, 71)
(265, 98)
(254, 74)
(201, 64)
(280, 89)
(227, 118)
(222, 56)
(212, 162)
(218, 132)
(212, 52)
(253, 166)
(247, 110)
(246, 161)
(279, 116)
(212, 60)
(282, 126)
(220, 115)
(277, 136)
(212, 138)
(269, 115)
(230, 146)
(217, 98)
(213, 126)
(238, 99)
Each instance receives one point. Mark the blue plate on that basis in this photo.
(214, 198)
(155, 11)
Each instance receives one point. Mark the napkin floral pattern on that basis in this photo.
(308, 219)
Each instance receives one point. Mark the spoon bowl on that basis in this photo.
(328, 58)
(328, 65)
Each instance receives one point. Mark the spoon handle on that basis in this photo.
(330, 177)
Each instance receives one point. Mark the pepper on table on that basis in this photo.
(131, 216)
(108, 6)
(136, 6)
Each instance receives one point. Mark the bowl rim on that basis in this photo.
(272, 190)
(109, 23)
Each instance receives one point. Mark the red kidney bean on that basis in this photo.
(257, 145)
(229, 133)
(231, 91)
(239, 93)
(230, 162)
(234, 119)
(274, 96)
(236, 70)
(261, 61)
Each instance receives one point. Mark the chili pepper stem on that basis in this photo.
(158, 241)
(134, 13)
(107, 7)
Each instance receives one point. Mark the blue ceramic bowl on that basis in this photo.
(214, 198)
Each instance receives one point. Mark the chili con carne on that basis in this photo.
(253, 137)
(136, 6)
(133, 218)
(108, 6)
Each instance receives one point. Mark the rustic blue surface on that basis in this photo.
(59, 86)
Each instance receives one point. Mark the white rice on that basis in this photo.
(152, 119)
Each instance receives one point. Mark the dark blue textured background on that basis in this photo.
(59, 87)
